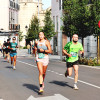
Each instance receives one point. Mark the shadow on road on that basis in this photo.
(10, 67)
(4, 61)
(32, 87)
(61, 83)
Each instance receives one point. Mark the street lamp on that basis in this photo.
(38, 9)
(26, 27)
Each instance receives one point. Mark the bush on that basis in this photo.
(88, 61)
(25, 47)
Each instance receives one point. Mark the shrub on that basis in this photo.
(25, 47)
(88, 61)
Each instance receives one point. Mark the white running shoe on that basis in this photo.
(14, 67)
(75, 87)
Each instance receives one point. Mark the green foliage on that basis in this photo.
(25, 47)
(48, 28)
(20, 36)
(33, 29)
(88, 61)
(81, 18)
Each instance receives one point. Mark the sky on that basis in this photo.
(47, 3)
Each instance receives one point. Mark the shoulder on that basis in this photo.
(36, 42)
(47, 42)
(69, 43)
(79, 43)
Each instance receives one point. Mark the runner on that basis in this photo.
(71, 49)
(7, 50)
(42, 47)
(0, 47)
(13, 52)
(4, 53)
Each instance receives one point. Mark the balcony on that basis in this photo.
(14, 27)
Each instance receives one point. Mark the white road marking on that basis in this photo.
(90, 67)
(55, 97)
(98, 87)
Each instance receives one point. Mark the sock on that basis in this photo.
(75, 83)
(40, 85)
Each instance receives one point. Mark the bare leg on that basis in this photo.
(76, 72)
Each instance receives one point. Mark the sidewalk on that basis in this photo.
(24, 53)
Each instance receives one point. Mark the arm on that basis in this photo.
(48, 46)
(35, 47)
(65, 52)
(81, 49)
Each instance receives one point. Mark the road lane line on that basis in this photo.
(54, 97)
(98, 87)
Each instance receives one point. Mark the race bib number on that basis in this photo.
(14, 48)
(74, 54)
(41, 55)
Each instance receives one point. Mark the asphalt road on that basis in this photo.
(23, 84)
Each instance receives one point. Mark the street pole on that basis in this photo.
(98, 49)
(38, 9)
(61, 33)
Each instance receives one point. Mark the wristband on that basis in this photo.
(44, 51)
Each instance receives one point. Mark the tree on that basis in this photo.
(80, 17)
(33, 29)
(48, 28)
(95, 13)
(20, 37)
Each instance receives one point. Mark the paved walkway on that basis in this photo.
(24, 53)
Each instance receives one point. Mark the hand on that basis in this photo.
(81, 52)
(69, 55)
(41, 50)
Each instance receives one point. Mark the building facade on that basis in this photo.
(9, 18)
(28, 9)
(59, 40)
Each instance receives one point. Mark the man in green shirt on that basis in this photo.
(71, 50)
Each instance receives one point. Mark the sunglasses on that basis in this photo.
(13, 39)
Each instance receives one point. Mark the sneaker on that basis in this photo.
(14, 68)
(75, 87)
(66, 74)
(40, 91)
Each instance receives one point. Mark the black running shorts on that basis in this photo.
(70, 64)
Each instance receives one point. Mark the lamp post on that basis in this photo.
(26, 27)
(38, 9)
(61, 33)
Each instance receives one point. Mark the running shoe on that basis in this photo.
(14, 68)
(66, 73)
(40, 91)
(75, 87)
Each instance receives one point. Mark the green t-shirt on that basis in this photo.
(73, 50)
